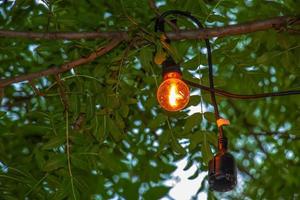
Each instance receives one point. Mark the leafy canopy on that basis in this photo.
(114, 140)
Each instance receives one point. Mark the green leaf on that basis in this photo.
(193, 63)
(195, 139)
(206, 150)
(79, 163)
(188, 165)
(192, 121)
(119, 121)
(111, 81)
(211, 196)
(109, 160)
(195, 175)
(54, 142)
(114, 130)
(177, 148)
(163, 141)
(267, 57)
(90, 107)
(202, 187)
(74, 103)
(214, 18)
(132, 189)
(211, 137)
(156, 192)
(157, 121)
(124, 110)
(146, 58)
(2, 114)
(39, 157)
(209, 116)
(194, 100)
(55, 162)
(113, 101)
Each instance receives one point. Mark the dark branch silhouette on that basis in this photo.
(277, 23)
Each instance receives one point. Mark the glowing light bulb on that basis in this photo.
(173, 94)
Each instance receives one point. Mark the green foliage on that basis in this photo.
(122, 144)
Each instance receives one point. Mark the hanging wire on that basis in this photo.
(242, 96)
(159, 26)
(222, 143)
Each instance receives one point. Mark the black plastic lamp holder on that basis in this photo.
(222, 175)
(169, 65)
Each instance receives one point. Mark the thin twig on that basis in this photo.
(211, 11)
(39, 182)
(285, 51)
(62, 92)
(50, 117)
(68, 153)
(35, 89)
(78, 123)
(74, 76)
(11, 178)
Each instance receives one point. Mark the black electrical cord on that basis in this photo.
(159, 26)
(242, 96)
(222, 144)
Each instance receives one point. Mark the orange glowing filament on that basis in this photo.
(174, 96)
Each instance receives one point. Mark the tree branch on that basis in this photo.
(238, 29)
(64, 35)
(63, 68)
(117, 37)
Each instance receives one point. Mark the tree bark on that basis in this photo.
(278, 23)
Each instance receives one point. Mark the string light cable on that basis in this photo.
(159, 26)
(242, 96)
(174, 96)
(222, 168)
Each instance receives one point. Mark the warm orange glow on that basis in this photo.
(173, 94)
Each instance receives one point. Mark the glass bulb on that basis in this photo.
(173, 94)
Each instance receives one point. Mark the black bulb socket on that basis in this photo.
(169, 65)
(222, 175)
